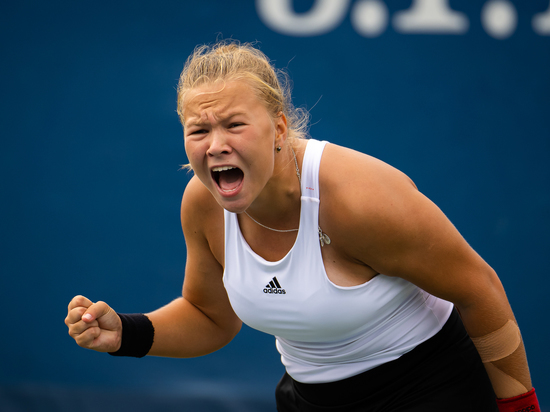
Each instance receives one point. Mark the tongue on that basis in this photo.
(230, 179)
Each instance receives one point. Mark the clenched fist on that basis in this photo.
(94, 325)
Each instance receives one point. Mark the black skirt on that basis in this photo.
(443, 374)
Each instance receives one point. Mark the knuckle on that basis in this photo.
(75, 301)
(80, 341)
(79, 311)
(73, 334)
(85, 338)
(74, 315)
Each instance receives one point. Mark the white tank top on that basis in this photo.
(324, 332)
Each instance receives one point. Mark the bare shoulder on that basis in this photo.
(354, 180)
(382, 220)
(366, 203)
(197, 199)
(202, 217)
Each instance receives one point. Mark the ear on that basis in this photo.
(281, 129)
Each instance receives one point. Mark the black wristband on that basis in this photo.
(138, 334)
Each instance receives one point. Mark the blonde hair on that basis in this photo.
(230, 60)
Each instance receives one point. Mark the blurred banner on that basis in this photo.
(455, 94)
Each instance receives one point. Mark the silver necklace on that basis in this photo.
(270, 228)
(323, 237)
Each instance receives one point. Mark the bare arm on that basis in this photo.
(409, 237)
(201, 321)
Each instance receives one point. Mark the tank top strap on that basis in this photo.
(310, 168)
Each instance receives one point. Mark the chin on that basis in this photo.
(233, 206)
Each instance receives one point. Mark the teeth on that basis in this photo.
(222, 168)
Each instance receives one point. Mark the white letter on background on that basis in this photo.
(431, 16)
(541, 23)
(324, 16)
(499, 18)
(369, 17)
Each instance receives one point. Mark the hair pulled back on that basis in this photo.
(229, 60)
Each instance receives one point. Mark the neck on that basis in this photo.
(278, 205)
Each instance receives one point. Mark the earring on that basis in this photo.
(279, 148)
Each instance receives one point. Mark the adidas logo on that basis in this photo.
(274, 287)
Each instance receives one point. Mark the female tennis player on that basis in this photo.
(375, 300)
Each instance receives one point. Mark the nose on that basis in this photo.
(219, 144)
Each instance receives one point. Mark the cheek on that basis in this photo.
(187, 145)
(195, 157)
(192, 150)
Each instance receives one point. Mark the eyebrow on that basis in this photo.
(199, 123)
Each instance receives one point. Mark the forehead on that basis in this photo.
(220, 98)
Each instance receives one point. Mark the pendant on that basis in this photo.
(323, 238)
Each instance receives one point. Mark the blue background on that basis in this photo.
(90, 186)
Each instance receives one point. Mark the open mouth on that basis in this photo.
(228, 178)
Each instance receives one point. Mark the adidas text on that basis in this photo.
(276, 291)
